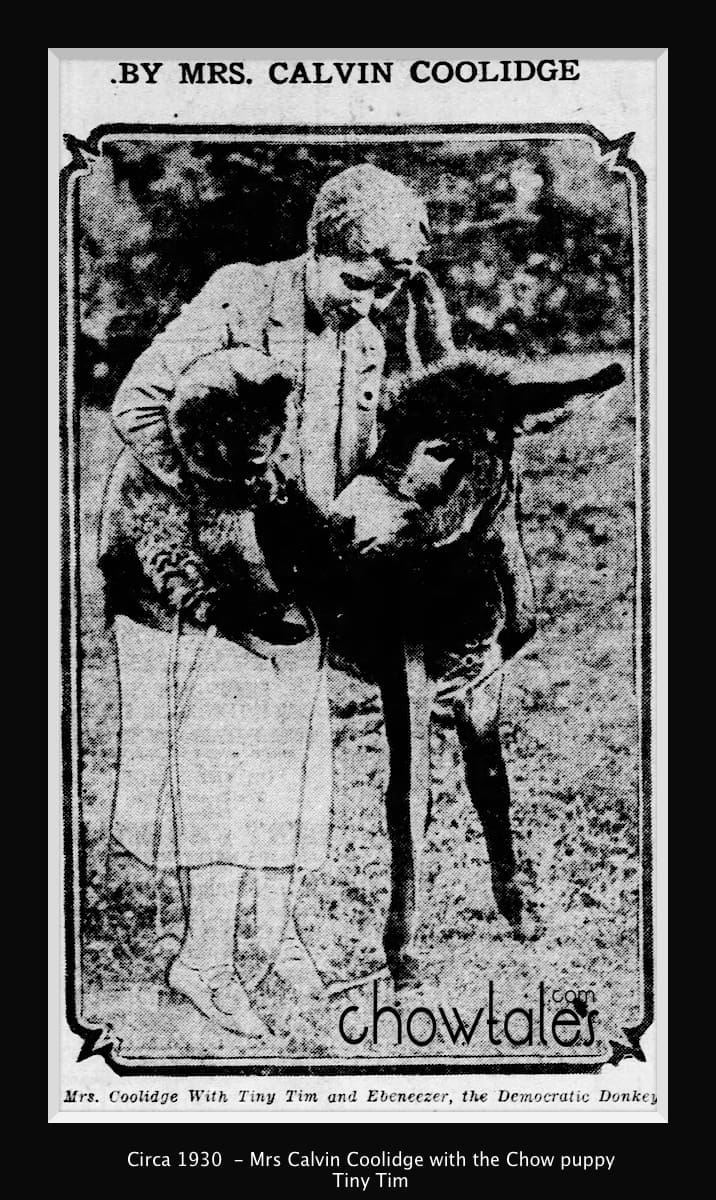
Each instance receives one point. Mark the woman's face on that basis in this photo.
(344, 291)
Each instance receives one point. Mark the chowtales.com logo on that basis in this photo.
(556, 1017)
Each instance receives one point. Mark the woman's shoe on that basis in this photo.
(219, 994)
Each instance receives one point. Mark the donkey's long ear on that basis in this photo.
(525, 399)
(429, 336)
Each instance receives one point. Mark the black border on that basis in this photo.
(95, 1041)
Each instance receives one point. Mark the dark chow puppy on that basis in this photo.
(197, 551)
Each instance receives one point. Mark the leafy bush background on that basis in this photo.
(531, 240)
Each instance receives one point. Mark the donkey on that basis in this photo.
(423, 616)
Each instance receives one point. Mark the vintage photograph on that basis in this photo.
(356, 600)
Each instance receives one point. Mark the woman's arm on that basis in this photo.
(139, 414)
(224, 319)
(165, 546)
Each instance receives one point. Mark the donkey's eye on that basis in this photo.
(442, 452)
(355, 283)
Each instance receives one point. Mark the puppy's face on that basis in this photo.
(227, 429)
(221, 450)
(260, 479)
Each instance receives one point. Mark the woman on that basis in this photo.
(225, 759)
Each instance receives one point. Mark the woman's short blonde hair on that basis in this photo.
(365, 211)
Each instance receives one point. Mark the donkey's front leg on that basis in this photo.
(401, 912)
(406, 709)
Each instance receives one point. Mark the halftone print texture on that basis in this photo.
(358, 604)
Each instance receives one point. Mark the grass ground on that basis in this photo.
(570, 732)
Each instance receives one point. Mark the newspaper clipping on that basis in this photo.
(355, 412)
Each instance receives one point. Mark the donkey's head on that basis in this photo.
(450, 430)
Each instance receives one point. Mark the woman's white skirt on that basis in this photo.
(252, 778)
